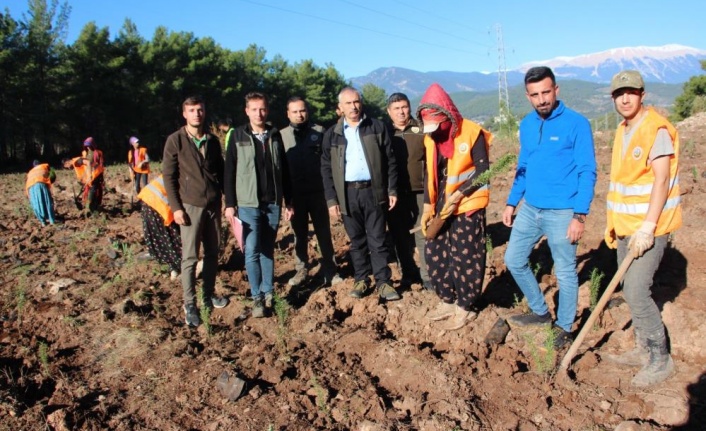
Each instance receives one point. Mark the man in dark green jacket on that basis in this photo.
(192, 165)
(256, 181)
(360, 184)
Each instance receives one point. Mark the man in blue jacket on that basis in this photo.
(556, 175)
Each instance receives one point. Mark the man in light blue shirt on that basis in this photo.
(360, 184)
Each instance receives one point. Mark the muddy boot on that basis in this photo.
(459, 319)
(659, 367)
(442, 311)
(637, 357)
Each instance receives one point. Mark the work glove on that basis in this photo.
(643, 239)
(610, 239)
(426, 217)
(450, 205)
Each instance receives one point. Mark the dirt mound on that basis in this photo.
(93, 337)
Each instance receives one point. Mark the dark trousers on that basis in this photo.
(140, 181)
(456, 259)
(314, 206)
(365, 225)
(400, 220)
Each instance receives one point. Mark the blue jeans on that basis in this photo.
(259, 233)
(530, 225)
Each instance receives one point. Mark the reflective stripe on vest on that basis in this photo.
(632, 179)
(155, 196)
(459, 169)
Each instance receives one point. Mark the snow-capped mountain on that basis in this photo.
(669, 64)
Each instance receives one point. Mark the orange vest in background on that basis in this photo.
(141, 157)
(38, 174)
(88, 174)
(631, 179)
(460, 167)
(155, 196)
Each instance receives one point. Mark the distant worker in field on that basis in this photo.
(225, 126)
(360, 184)
(408, 146)
(89, 170)
(139, 162)
(457, 153)
(192, 166)
(643, 210)
(556, 176)
(302, 144)
(161, 232)
(38, 190)
(256, 186)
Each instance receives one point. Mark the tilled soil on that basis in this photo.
(93, 335)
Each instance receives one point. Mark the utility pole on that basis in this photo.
(503, 99)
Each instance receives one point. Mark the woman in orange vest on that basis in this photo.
(37, 189)
(89, 170)
(456, 154)
(161, 232)
(139, 163)
(643, 208)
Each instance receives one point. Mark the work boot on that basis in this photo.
(332, 280)
(637, 357)
(258, 309)
(459, 319)
(360, 289)
(298, 277)
(269, 300)
(562, 338)
(659, 366)
(442, 311)
(387, 292)
(530, 319)
(191, 315)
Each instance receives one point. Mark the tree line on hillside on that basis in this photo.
(55, 94)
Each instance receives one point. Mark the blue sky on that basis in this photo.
(358, 36)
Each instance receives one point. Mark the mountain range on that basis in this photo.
(666, 67)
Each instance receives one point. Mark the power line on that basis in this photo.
(423, 42)
(398, 18)
(445, 19)
(503, 99)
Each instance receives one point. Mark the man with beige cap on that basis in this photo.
(643, 209)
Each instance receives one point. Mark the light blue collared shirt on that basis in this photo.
(356, 165)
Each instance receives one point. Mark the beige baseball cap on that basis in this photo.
(626, 79)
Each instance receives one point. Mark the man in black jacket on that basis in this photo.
(408, 148)
(360, 181)
(302, 143)
(192, 165)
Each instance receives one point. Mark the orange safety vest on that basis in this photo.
(155, 195)
(460, 167)
(87, 176)
(141, 157)
(38, 174)
(631, 179)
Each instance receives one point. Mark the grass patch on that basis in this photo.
(543, 353)
(595, 286)
(282, 308)
(43, 356)
(321, 395)
(205, 312)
